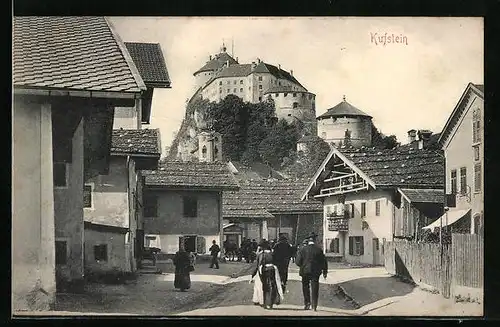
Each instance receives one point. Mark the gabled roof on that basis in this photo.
(431, 144)
(78, 53)
(133, 141)
(344, 108)
(191, 175)
(423, 195)
(386, 168)
(148, 57)
(282, 89)
(273, 196)
(459, 109)
(217, 62)
(262, 67)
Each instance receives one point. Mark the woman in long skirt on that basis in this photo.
(183, 267)
(266, 280)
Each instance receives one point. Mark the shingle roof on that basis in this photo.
(216, 63)
(344, 108)
(74, 53)
(149, 60)
(193, 175)
(262, 67)
(142, 141)
(423, 195)
(273, 196)
(255, 170)
(236, 70)
(282, 89)
(399, 168)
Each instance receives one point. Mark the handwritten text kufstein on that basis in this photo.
(388, 38)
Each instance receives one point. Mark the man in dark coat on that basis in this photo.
(281, 258)
(312, 263)
(214, 252)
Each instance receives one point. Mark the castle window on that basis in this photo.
(234, 90)
(279, 83)
(216, 150)
(295, 95)
(234, 82)
(295, 105)
(241, 81)
(260, 98)
(241, 90)
(220, 82)
(285, 95)
(260, 78)
(204, 152)
(228, 90)
(260, 87)
(276, 95)
(220, 90)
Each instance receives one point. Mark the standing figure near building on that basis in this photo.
(183, 267)
(214, 252)
(267, 288)
(281, 259)
(312, 263)
(294, 251)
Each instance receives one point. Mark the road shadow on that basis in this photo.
(372, 289)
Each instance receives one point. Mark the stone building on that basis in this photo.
(345, 123)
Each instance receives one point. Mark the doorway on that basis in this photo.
(233, 238)
(189, 243)
(376, 251)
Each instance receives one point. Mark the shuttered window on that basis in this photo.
(87, 196)
(454, 181)
(477, 177)
(190, 206)
(463, 180)
(363, 209)
(377, 208)
(200, 245)
(356, 246)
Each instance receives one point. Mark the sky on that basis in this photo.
(414, 82)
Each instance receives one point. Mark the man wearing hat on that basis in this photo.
(312, 263)
(281, 259)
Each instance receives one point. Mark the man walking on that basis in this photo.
(312, 263)
(281, 259)
(214, 251)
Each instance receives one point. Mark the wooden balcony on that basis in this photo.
(338, 223)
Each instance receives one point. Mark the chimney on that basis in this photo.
(253, 65)
(412, 134)
(291, 72)
(279, 66)
(423, 139)
(210, 57)
(237, 59)
(258, 60)
(227, 63)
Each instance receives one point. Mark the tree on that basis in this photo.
(381, 141)
(279, 143)
(306, 164)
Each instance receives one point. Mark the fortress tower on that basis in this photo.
(209, 146)
(345, 123)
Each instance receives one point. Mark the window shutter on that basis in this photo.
(181, 241)
(200, 245)
(351, 245)
(361, 246)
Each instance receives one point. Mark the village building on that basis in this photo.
(462, 140)
(223, 75)
(113, 204)
(114, 231)
(268, 205)
(183, 205)
(372, 196)
(345, 123)
(68, 75)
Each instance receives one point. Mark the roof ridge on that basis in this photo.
(126, 55)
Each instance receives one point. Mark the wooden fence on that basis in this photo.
(442, 267)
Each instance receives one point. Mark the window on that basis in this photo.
(476, 125)
(87, 196)
(241, 89)
(60, 174)
(260, 98)
(377, 208)
(279, 83)
(276, 95)
(260, 87)
(363, 209)
(454, 181)
(476, 152)
(356, 246)
(295, 95)
(260, 78)
(333, 245)
(350, 210)
(190, 206)
(234, 90)
(204, 151)
(376, 244)
(101, 252)
(220, 82)
(477, 177)
(61, 252)
(463, 180)
(295, 105)
(150, 205)
(220, 90)
(228, 90)
(241, 81)
(234, 82)
(285, 95)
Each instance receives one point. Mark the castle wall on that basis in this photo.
(332, 130)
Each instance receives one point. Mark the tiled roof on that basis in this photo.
(201, 175)
(432, 143)
(216, 63)
(229, 211)
(255, 170)
(273, 196)
(141, 141)
(149, 60)
(262, 67)
(480, 87)
(424, 196)
(235, 70)
(399, 168)
(73, 53)
(344, 108)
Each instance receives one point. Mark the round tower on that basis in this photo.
(212, 66)
(345, 124)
